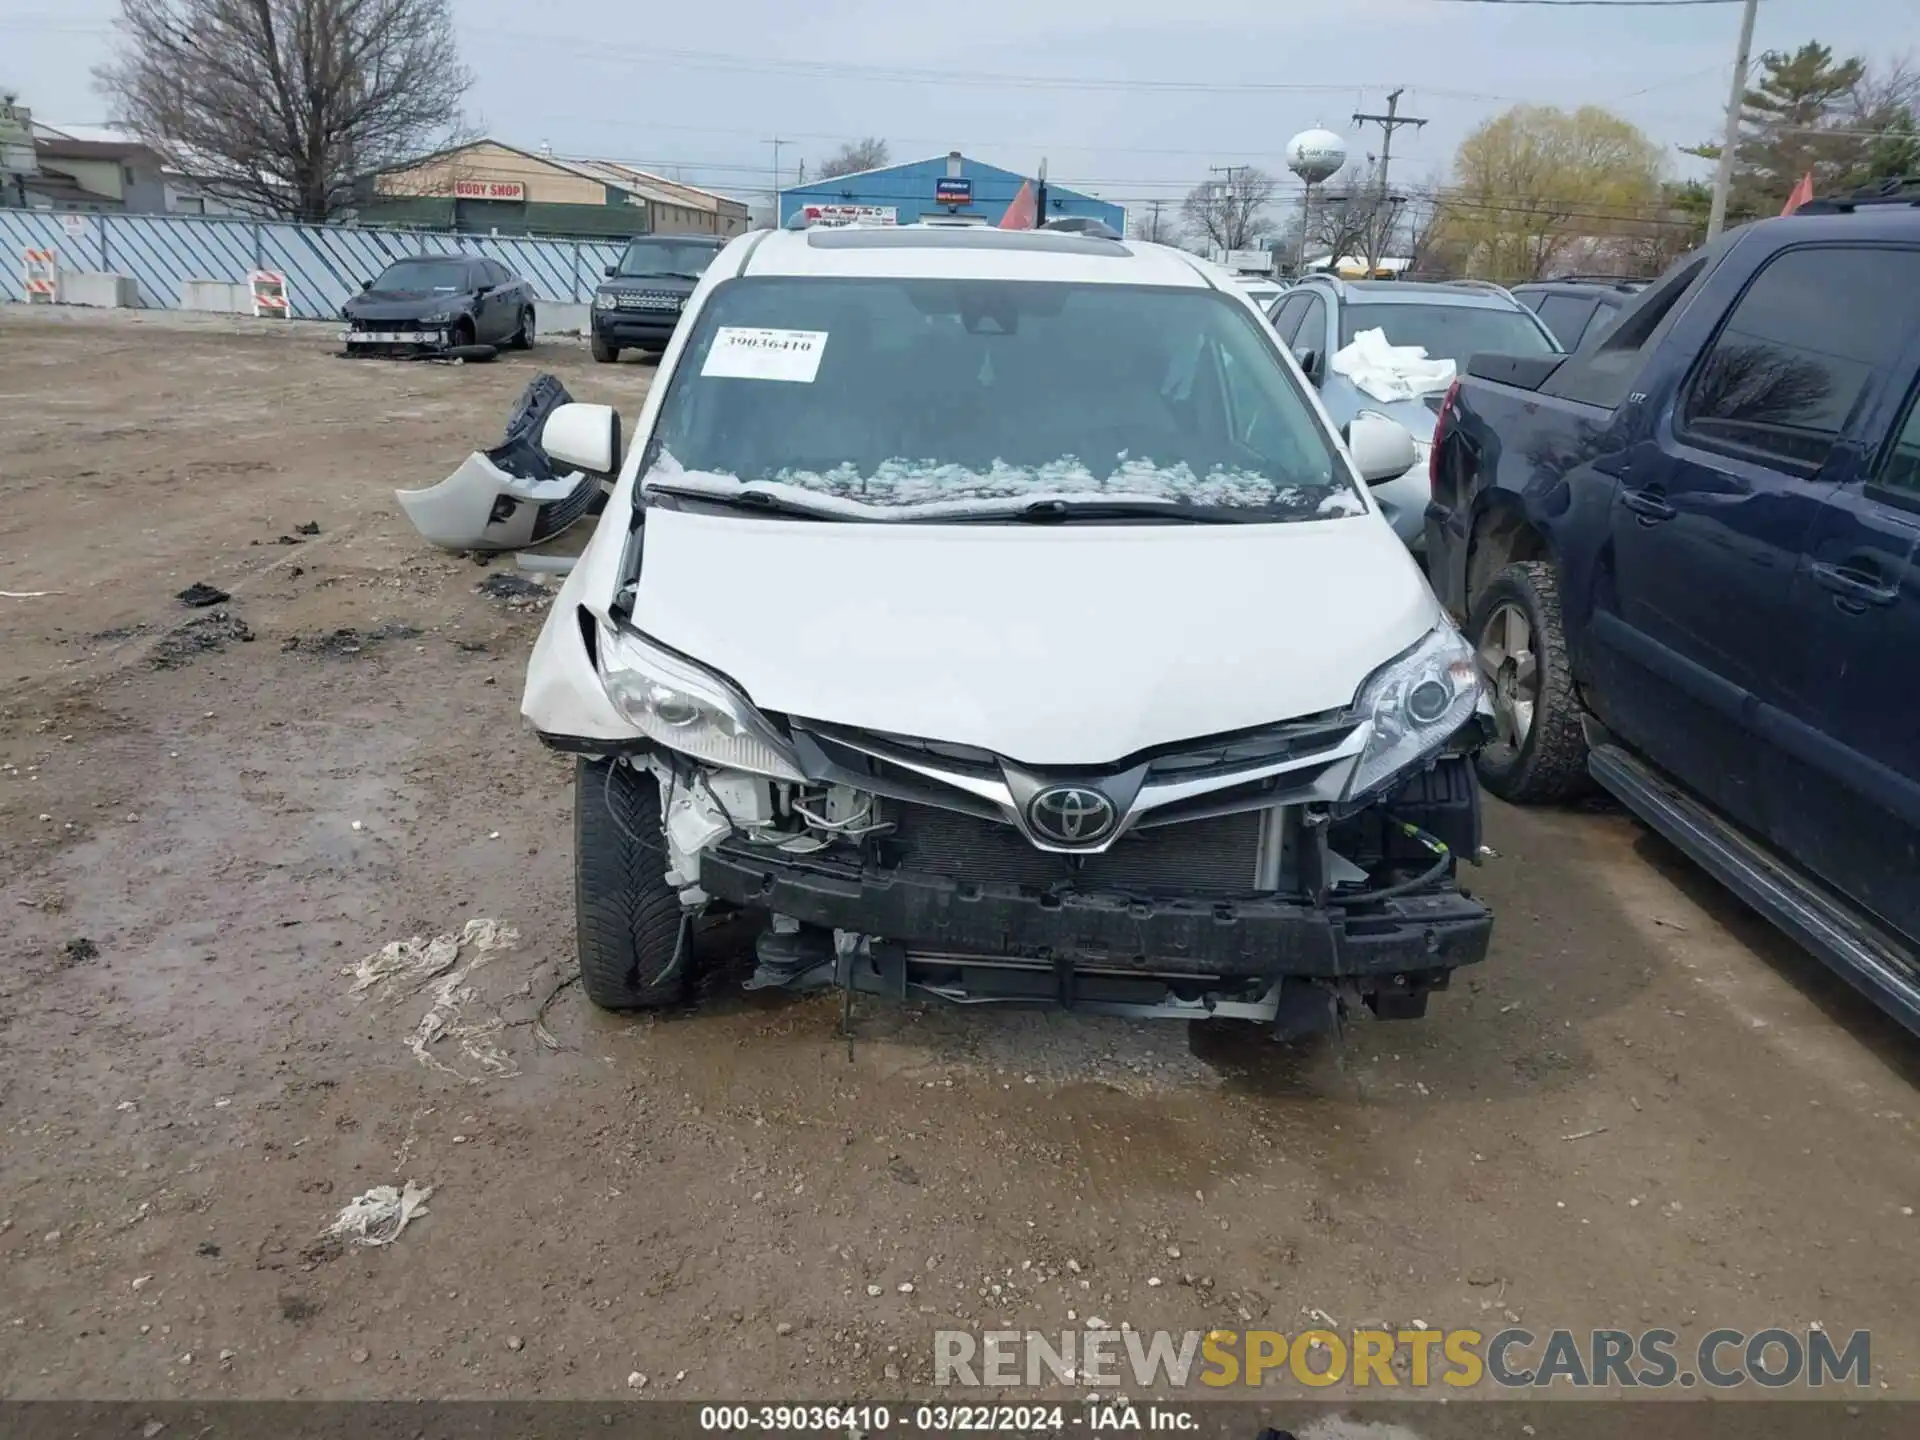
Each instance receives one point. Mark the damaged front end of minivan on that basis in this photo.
(1276, 875)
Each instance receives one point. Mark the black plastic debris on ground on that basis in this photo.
(202, 635)
(516, 590)
(348, 642)
(287, 540)
(78, 951)
(311, 527)
(201, 596)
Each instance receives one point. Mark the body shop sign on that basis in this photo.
(952, 190)
(489, 190)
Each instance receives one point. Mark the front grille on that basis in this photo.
(648, 300)
(557, 515)
(402, 327)
(1201, 857)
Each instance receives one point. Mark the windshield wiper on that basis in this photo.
(1064, 512)
(758, 501)
(656, 275)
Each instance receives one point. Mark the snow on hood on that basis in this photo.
(928, 489)
(1391, 372)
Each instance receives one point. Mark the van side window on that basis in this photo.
(1603, 374)
(1798, 349)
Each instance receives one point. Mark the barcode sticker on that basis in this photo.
(741, 352)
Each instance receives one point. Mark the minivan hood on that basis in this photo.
(1047, 645)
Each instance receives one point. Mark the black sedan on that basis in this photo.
(431, 304)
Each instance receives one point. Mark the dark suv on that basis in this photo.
(1688, 557)
(638, 305)
(1579, 308)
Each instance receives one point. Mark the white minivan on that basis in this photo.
(997, 616)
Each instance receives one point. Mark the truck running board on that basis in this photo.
(1869, 959)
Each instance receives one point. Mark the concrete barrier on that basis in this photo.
(555, 317)
(217, 297)
(101, 288)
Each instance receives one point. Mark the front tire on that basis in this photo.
(603, 352)
(1540, 755)
(627, 919)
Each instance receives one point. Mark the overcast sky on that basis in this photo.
(699, 88)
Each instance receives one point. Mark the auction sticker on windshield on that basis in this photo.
(741, 352)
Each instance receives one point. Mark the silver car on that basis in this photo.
(1452, 320)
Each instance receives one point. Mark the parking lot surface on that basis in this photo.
(1645, 1109)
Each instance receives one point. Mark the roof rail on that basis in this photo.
(1633, 282)
(1901, 190)
(1485, 287)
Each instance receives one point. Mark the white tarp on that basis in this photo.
(1391, 372)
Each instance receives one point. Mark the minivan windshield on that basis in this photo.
(666, 259)
(909, 398)
(1449, 332)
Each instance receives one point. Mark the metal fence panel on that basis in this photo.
(324, 264)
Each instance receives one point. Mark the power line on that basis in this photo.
(1597, 4)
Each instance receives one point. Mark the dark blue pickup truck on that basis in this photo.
(1688, 556)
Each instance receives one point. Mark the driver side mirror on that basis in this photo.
(1309, 359)
(610, 271)
(1382, 449)
(585, 437)
(366, 284)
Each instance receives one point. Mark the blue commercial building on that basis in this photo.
(946, 186)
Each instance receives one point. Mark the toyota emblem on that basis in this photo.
(1071, 815)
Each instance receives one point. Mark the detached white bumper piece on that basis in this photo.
(509, 496)
(482, 507)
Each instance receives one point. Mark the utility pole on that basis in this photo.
(1232, 216)
(1390, 122)
(776, 142)
(1377, 237)
(1730, 141)
(1153, 233)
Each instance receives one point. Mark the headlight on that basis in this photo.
(439, 317)
(602, 300)
(681, 706)
(1416, 701)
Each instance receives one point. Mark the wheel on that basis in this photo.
(1540, 755)
(523, 337)
(603, 352)
(462, 333)
(627, 919)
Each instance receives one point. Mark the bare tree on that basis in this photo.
(1154, 222)
(1359, 218)
(855, 155)
(1230, 212)
(284, 104)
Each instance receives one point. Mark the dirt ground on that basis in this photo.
(1645, 1108)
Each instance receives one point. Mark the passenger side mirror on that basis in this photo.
(610, 271)
(585, 437)
(366, 284)
(1382, 449)
(1309, 359)
(483, 288)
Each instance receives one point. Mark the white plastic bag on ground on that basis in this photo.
(1391, 372)
(378, 1217)
(407, 965)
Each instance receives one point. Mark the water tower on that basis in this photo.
(1314, 155)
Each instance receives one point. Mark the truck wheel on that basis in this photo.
(1540, 755)
(603, 352)
(626, 917)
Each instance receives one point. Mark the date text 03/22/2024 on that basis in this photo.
(1093, 1418)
